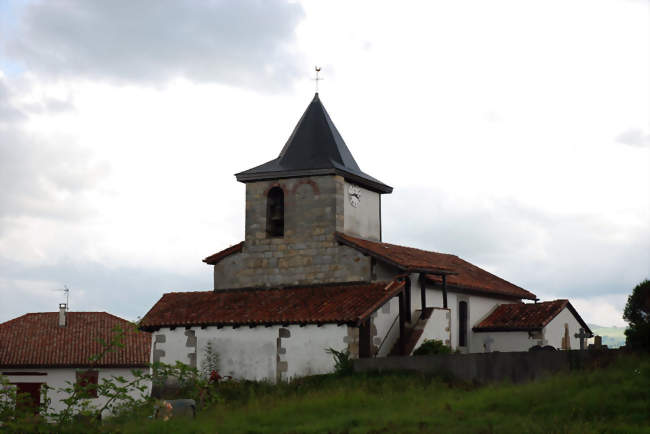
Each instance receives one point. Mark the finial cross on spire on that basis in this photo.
(317, 79)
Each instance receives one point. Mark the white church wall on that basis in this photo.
(386, 323)
(478, 307)
(173, 343)
(554, 330)
(258, 353)
(305, 349)
(364, 220)
(438, 327)
(244, 352)
(59, 378)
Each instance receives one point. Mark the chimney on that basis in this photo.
(63, 308)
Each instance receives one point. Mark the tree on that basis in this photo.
(637, 313)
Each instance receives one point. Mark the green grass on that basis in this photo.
(612, 399)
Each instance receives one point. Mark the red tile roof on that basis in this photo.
(338, 303)
(463, 275)
(36, 340)
(406, 258)
(213, 259)
(526, 317)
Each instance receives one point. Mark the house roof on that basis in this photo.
(526, 317)
(462, 274)
(36, 340)
(314, 148)
(215, 258)
(336, 303)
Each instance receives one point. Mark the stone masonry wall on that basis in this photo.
(308, 252)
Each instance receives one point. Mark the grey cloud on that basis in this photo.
(44, 179)
(41, 176)
(245, 42)
(634, 137)
(9, 113)
(128, 292)
(567, 255)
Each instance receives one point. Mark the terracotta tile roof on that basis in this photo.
(462, 274)
(338, 303)
(526, 317)
(405, 258)
(213, 259)
(36, 340)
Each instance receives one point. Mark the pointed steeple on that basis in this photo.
(314, 148)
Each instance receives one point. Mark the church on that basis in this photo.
(313, 273)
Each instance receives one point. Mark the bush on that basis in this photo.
(637, 313)
(342, 363)
(431, 346)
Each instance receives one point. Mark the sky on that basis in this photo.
(515, 134)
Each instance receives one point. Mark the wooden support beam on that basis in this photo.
(407, 292)
(402, 324)
(444, 291)
(423, 292)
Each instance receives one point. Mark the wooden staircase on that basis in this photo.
(413, 333)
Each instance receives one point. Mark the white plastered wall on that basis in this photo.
(554, 330)
(438, 327)
(386, 322)
(364, 220)
(58, 378)
(255, 353)
(306, 349)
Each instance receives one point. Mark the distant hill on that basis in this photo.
(613, 337)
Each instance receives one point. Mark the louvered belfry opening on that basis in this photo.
(275, 213)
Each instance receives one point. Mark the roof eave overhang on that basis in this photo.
(506, 329)
(479, 291)
(349, 321)
(72, 365)
(365, 182)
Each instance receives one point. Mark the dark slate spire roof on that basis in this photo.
(314, 148)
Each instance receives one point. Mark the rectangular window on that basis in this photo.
(462, 324)
(87, 383)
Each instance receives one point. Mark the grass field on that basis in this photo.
(612, 399)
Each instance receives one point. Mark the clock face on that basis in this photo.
(354, 194)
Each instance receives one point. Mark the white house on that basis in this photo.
(54, 348)
(314, 273)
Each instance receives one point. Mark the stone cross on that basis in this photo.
(583, 337)
(317, 79)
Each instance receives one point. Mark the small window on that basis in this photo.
(87, 383)
(462, 324)
(275, 213)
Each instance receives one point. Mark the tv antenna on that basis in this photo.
(66, 291)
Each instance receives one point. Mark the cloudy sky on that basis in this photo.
(515, 134)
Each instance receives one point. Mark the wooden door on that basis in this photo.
(31, 396)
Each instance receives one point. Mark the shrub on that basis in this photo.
(432, 346)
(342, 362)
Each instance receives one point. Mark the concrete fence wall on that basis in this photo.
(490, 367)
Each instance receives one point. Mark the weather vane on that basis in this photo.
(317, 79)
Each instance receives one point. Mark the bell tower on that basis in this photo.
(294, 206)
